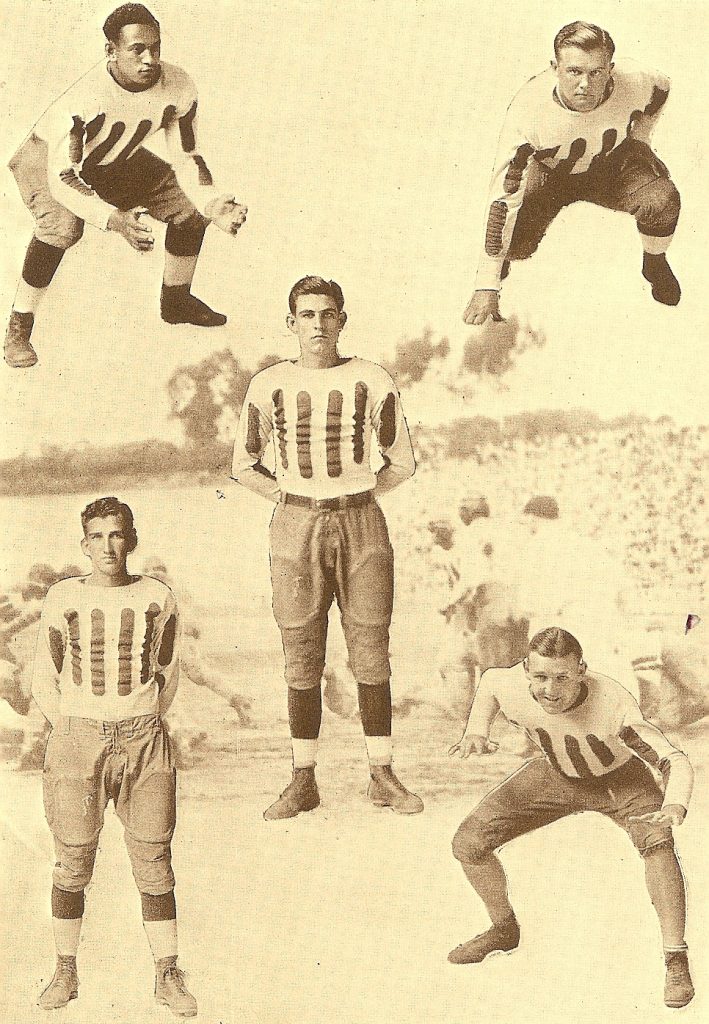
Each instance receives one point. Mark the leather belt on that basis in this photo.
(318, 504)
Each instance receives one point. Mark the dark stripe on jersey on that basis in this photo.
(302, 434)
(138, 135)
(72, 621)
(665, 769)
(151, 613)
(576, 151)
(56, 647)
(168, 115)
(610, 137)
(94, 127)
(125, 650)
(360, 409)
(71, 178)
(495, 226)
(98, 652)
(96, 155)
(279, 417)
(167, 643)
(657, 100)
(203, 173)
(387, 422)
(76, 140)
(548, 748)
(186, 123)
(160, 680)
(253, 433)
(517, 167)
(639, 746)
(576, 757)
(333, 433)
(602, 751)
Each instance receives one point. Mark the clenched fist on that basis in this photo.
(226, 213)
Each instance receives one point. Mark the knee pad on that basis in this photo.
(657, 207)
(151, 864)
(41, 262)
(666, 844)
(184, 237)
(469, 845)
(74, 867)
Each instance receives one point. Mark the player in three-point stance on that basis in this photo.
(328, 534)
(84, 162)
(106, 671)
(596, 746)
(579, 131)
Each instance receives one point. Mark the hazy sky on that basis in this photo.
(361, 135)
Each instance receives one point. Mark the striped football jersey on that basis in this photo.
(98, 123)
(320, 423)
(601, 732)
(106, 652)
(538, 128)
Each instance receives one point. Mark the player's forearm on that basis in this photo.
(167, 693)
(391, 476)
(47, 699)
(482, 714)
(260, 481)
(679, 780)
(68, 188)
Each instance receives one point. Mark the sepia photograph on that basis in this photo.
(354, 537)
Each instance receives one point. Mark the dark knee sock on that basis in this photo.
(305, 712)
(185, 239)
(67, 906)
(375, 708)
(41, 263)
(159, 908)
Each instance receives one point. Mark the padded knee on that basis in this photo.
(41, 263)
(656, 207)
(469, 845)
(184, 237)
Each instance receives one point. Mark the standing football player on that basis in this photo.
(596, 749)
(328, 534)
(106, 671)
(580, 131)
(84, 162)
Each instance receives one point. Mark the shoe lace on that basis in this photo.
(175, 975)
(676, 967)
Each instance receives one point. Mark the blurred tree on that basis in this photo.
(413, 356)
(494, 348)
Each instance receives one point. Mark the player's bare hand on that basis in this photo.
(484, 303)
(135, 232)
(226, 213)
(471, 743)
(672, 814)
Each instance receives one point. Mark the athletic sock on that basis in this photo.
(160, 923)
(654, 245)
(375, 712)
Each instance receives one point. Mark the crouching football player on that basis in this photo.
(106, 671)
(597, 747)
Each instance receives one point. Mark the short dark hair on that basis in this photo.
(554, 642)
(104, 507)
(584, 35)
(128, 14)
(316, 286)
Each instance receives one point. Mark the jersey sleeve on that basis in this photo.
(50, 652)
(514, 153)
(252, 437)
(167, 673)
(656, 89)
(649, 743)
(392, 435)
(181, 134)
(65, 129)
(485, 707)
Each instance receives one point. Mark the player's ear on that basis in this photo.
(611, 66)
(110, 49)
(582, 667)
(290, 322)
(85, 546)
(343, 318)
(554, 65)
(525, 664)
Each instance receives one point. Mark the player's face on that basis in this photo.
(105, 543)
(583, 76)
(555, 683)
(317, 324)
(135, 58)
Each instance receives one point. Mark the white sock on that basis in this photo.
(27, 299)
(66, 935)
(162, 936)
(179, 270)
(379, 750)
(655, 246)
(305, 753)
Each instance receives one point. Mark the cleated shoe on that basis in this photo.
(679, 989)
(18, 350)
(170, 988)
(665, 286)
(63, 987)
(499, 938)
(301, 794)
(385, 790)
(178, 306)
